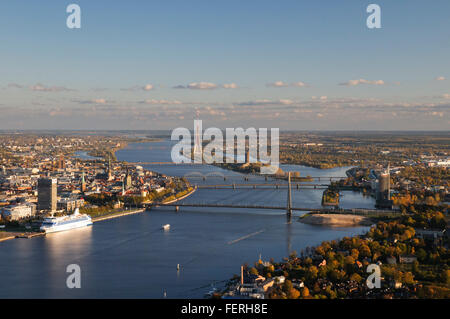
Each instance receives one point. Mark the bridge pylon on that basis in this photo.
(289, 197)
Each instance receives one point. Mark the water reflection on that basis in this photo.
(131, 257)
(75, 242)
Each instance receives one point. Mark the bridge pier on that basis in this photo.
(289, 198)
(177, 208)
(234, 186)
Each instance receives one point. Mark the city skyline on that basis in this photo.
(293, 65)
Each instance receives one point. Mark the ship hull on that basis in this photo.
(66, 227)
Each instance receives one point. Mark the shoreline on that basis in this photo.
(117, 215)
(15, 235)
(137, 211)
(182, 197)
(94, 220)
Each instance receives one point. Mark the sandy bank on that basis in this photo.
(338, 220)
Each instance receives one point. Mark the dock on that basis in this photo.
(29, 235)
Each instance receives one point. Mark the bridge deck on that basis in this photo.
(362, 211)
(228, 186)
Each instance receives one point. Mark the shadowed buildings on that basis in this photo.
(47, 194)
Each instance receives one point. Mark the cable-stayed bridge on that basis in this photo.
(288, 208)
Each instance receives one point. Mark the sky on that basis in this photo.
(297, 65)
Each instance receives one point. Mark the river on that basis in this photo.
(131, 257)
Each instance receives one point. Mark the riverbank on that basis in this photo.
(337, 220)
(137, 211)
(117, 215)
(182, 197)
(4, 236)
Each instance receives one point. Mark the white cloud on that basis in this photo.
(281, 84)
(439, 114)
(286, 102)
(230, 86)
(163, 102)
(201, 86)
(445, 96)
(440, 78)
(43, 88)
(362, 81)
(278, 84)
(322, 98)
(99, 101)
(148, 87)
(299, 84)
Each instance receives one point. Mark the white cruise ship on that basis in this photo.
(57, 224)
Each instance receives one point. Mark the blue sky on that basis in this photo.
(288, 64)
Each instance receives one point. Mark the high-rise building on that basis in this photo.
(61, 162)
(83, 183)
(110, 177)
(47, 194)
(384, 186)
(384, 189)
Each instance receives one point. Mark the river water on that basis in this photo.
(131, 257)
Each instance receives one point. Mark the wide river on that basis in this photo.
(131, 257)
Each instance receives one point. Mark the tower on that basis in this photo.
(83, 183)
(289, 198)
(109, 168)
(198, 152)
(61, 162)
(384, 189)
(47, 194)
(127, 181)
(389, 182)
(384, 186)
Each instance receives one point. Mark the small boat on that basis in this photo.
(211, 293)
(166, 227)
